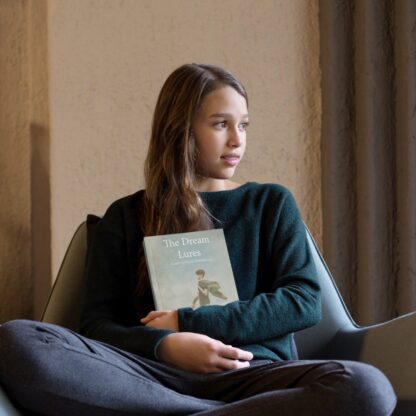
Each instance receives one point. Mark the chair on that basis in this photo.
(390, 346)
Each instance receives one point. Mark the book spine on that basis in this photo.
(154, 284)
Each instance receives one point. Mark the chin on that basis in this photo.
(227, 173)
(224, 177)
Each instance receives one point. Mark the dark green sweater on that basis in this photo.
(274, 272)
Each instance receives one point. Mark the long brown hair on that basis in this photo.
(171, 203)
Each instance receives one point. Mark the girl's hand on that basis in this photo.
(162, 320)
(201, 354)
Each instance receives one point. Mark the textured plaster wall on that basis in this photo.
(92, 69)
(24, 159)
(15, 230)
(109, 59)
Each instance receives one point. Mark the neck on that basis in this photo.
(215, 185)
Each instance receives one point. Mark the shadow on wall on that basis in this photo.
(40, 193)
(15, 283)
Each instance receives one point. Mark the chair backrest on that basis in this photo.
(66, 297)
(65, 301)
(312, 342)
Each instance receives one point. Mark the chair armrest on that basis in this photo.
(6, 407)
(390, 346)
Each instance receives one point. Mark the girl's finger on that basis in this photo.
(153, 315)
(227, 364)
(233, 353)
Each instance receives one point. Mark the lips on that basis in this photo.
(231, 156)
(231, 159)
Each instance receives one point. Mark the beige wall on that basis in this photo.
(24, 158)
(107, 62)
(15, 265)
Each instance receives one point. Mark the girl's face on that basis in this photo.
(219, 130)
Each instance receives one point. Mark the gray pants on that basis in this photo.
(54, 371)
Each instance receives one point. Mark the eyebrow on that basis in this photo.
(218, 115)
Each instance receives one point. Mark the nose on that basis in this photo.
(236, 137)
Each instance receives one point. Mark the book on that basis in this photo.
(190, 269)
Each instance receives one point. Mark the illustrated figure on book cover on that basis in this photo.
(205, 288)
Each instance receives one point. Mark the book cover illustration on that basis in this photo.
(190, 269)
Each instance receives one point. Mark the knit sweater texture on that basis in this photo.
(272, 265)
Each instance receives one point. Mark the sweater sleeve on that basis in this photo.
(108, 313)
(293, 302)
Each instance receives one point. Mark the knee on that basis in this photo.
(369, 390)
(16, 331)
(18, 341)
(10, 334)
(13, 333)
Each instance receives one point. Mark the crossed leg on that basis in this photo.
(54, 371)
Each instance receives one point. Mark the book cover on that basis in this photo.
(190, 269)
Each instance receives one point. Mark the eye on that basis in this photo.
(221, 124)
(243, 126)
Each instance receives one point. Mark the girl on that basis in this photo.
(237, 359)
